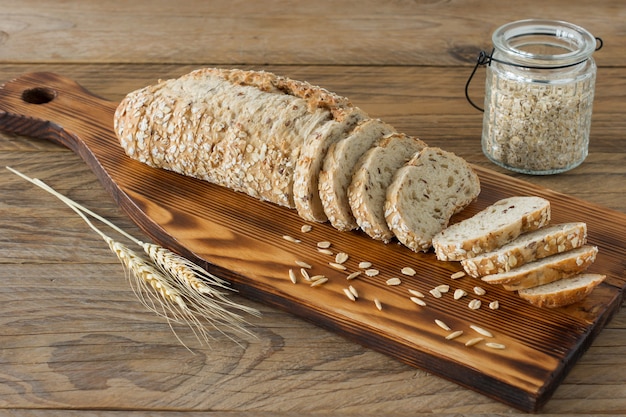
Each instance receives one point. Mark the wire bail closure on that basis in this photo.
(487, 59)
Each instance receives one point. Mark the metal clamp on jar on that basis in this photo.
(538, 96)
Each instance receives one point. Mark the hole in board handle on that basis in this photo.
(39, 95)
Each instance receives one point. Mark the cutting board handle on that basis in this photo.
(48, 106)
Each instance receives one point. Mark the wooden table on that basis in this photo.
(73, 337)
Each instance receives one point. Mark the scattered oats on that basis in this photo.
(325, 251)
(349, 294)
(291, 239)
(305, 274)
(306, 228)
(494, 305)
(443, 325)
(353, 291)
(303, 264)
(379, 306)
(407, 270)
(372, 272)
(320, 281)
(364, 264)
(435, 293)
(341, 257)
(457, 275)
(337, 266)
(292, 276)
(443, 288)
(353, 275)
(459, 293)
(317, 277)
(416, 293)
(479, 291)
(474, 304)
(394, 281)
(480, 330)
(454, 335)
(323, 245)
(495, 345)
(474, 341)
(418, 301)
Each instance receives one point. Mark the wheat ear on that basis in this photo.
(186, 293)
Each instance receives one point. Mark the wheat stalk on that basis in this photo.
(166, 283)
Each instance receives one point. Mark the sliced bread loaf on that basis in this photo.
(563, 292)
(526, 248)
(336, 174)
(244, 130)
(492, 227)
(425, 193)
(546, 270)
(368, 190)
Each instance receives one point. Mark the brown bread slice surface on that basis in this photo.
(425, 193)
(306, 194)
(528, 247)
(492, 227)
(546, 270)
(368, 190)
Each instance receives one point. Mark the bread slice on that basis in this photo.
(526, 248)
(492, 227)
(306, 174)
(425, 193)
(244, 130)
(563, 292)
(336, 174)
(546, 270)
(368, 190)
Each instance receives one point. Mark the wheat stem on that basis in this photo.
(187, 292)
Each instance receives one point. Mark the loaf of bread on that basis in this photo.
(245, 130)
(426, 193)
(563, 292)
(339, 165)
(373, 175)
(279, 140)
(492, 227)
(546, 270)
(526, 248)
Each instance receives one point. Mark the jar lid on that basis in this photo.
(540, 42)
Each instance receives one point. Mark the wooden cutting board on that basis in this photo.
(242, 240)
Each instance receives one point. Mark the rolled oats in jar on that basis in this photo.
(538, 96)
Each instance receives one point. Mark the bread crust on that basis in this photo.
(526, 248)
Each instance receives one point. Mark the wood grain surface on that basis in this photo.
(76, 341)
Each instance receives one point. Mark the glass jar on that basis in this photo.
(538, 96)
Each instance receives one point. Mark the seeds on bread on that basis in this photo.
(526, 248)
(425, 193)
(492, 227)
(244, 130)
